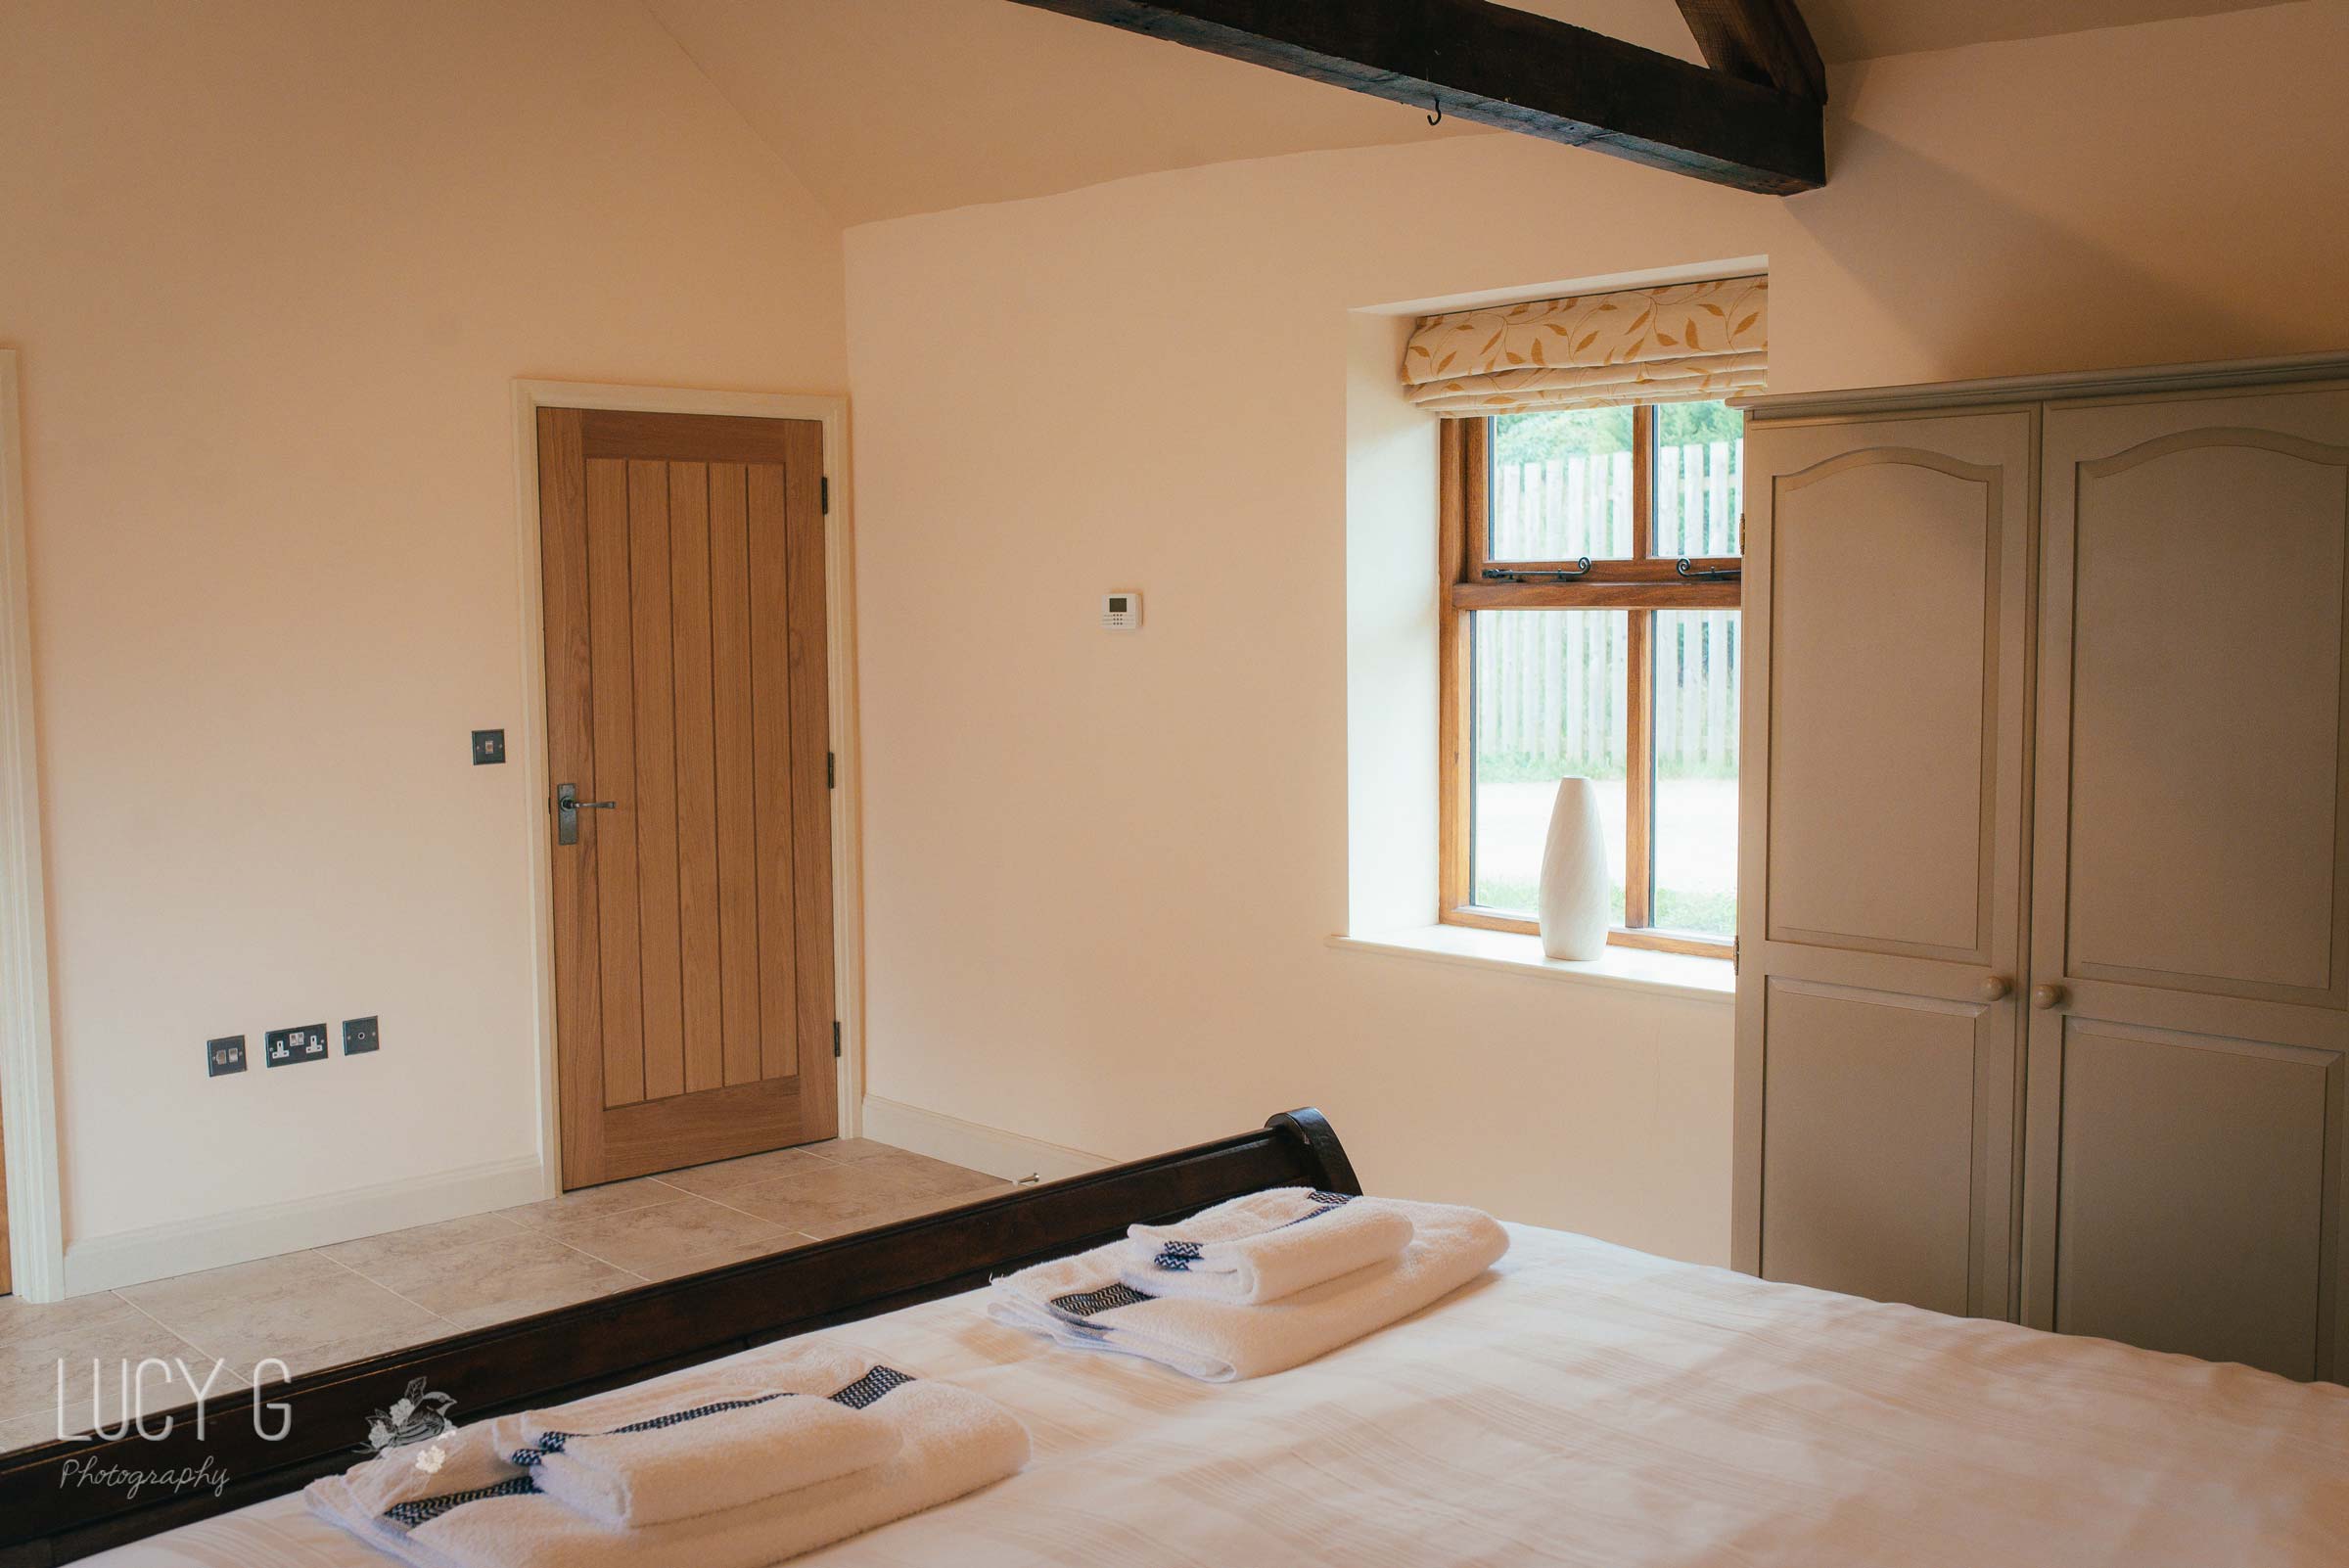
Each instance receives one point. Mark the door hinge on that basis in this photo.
(836, 1037)
(823, 491)
(831, 770)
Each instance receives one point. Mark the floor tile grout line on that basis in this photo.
(606, 1262)
(682, 1196)
(184, 1339)
(746, 1213)
(525, 1230)
(555, 1203)
(361, 1273)
(597, 1256)
(649, 1279)
(877, 1179)
(901, 1194)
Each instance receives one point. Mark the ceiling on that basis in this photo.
(1864, 30)
(890, 106)
(887, 108)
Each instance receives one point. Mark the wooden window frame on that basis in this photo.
(1641, 584)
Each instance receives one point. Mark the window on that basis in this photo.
(1590, 627)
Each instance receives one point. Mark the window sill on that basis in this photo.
(1667, 974)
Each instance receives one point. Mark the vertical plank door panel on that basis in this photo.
(612, 645)
(655, 782)
(697, 775)
(736, 777)
(770, 739)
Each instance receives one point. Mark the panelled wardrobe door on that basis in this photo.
(2190, 920)
(1880, 895)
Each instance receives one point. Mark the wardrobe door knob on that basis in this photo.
(1995, 988)
(2043, 998)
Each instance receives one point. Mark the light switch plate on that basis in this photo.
(488, 746)
(224, 1055)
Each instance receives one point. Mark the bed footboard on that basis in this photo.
(48, 1515)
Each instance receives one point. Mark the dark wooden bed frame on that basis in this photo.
(49, 1516)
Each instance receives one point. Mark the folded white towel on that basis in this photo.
(651, 1472)
(1264, 1246)
(1082, 1304)
(467, 1508)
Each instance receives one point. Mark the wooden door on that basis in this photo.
(2190, 930)
(683, 566)
(1880, 879)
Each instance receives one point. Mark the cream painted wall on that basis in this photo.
(272, 265)
(1100, 870)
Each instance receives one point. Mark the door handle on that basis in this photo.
(1994, 988)
(569, 806)
(2045, 998)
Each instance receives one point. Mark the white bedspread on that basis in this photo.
(1595, 1405)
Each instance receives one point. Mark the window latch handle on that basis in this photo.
(1580, 569)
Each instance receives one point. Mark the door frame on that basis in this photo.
(840, 638)
(36, 1241)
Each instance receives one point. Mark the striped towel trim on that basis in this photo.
(1091, 1302)
(408, 1515)
(1177, 1257)
(859, 1395)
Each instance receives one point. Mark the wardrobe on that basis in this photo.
(2043, 999)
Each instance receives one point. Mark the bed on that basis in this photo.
(1587, 1404)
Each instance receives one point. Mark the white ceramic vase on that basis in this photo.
(1574, 875)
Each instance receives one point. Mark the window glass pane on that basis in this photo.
(1695, 838)
(1548, 703)
(1700, 450)
(1561, 484)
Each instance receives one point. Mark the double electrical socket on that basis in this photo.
(305, 1043)
(284, 1047)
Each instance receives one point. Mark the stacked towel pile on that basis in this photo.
(727, 1467)
(1257, 1285)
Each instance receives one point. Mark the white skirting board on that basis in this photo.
(998, 1153)
(159, 1252)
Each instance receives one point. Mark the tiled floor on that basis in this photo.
(321, 1308)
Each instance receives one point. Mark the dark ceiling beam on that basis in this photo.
(1759, 40)
(1500, 67)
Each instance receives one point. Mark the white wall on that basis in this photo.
(273, 264)
(1100, 871)
(1391, 628)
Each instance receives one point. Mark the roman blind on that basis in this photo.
(1684, 343)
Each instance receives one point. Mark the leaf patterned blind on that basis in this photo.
(1685, 343)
